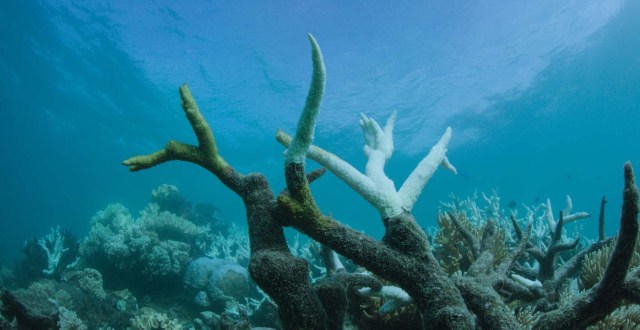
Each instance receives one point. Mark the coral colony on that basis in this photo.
(483, 268)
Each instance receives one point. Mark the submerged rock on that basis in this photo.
(220, 279)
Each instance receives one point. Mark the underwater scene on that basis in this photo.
(319, 164)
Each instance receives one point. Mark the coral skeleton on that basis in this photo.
(531, 284)
(394, 297)
(374, 185)
(566, 213)
(53, 246)
(482, 295)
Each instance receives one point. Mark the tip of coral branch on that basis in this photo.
(391, 121)
(184, 88)
(130, 165)
(446, 164)
(628, 172)
(314, 43)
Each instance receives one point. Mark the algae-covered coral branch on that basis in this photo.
(417, 273)
(205, 154)
(272, 266)
(306, 125)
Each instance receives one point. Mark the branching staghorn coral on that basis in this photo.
(457, 242)
(404, 255)
(477, 213)
(548, 282)
(478, 209)
(56, 241)
(566, 213)
(545, 243)
(485, 283)
(614, 287)
(374, 185)
(547, 259)
(450, 247)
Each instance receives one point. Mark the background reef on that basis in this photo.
(110, 279)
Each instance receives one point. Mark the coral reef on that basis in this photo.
(73, 303)
(450, 248)
(156, 247)
(149, 319)
(491, 289)
(88, 280)
(168, 198)
(68, 320)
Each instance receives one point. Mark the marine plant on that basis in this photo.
(482, 296)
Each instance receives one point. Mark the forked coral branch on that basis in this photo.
(272, 266)
(205, 154)
(374, 185)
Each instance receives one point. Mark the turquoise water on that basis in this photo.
(542, 99)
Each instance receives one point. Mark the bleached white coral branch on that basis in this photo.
(550, 220)
(413, 185)
(567, 216)
(394, 297)
(53, 246)
(531, 284)
(374, 185)
(337, 264)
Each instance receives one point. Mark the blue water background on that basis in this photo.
(542, 97)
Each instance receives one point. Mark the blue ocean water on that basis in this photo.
(542, 98)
